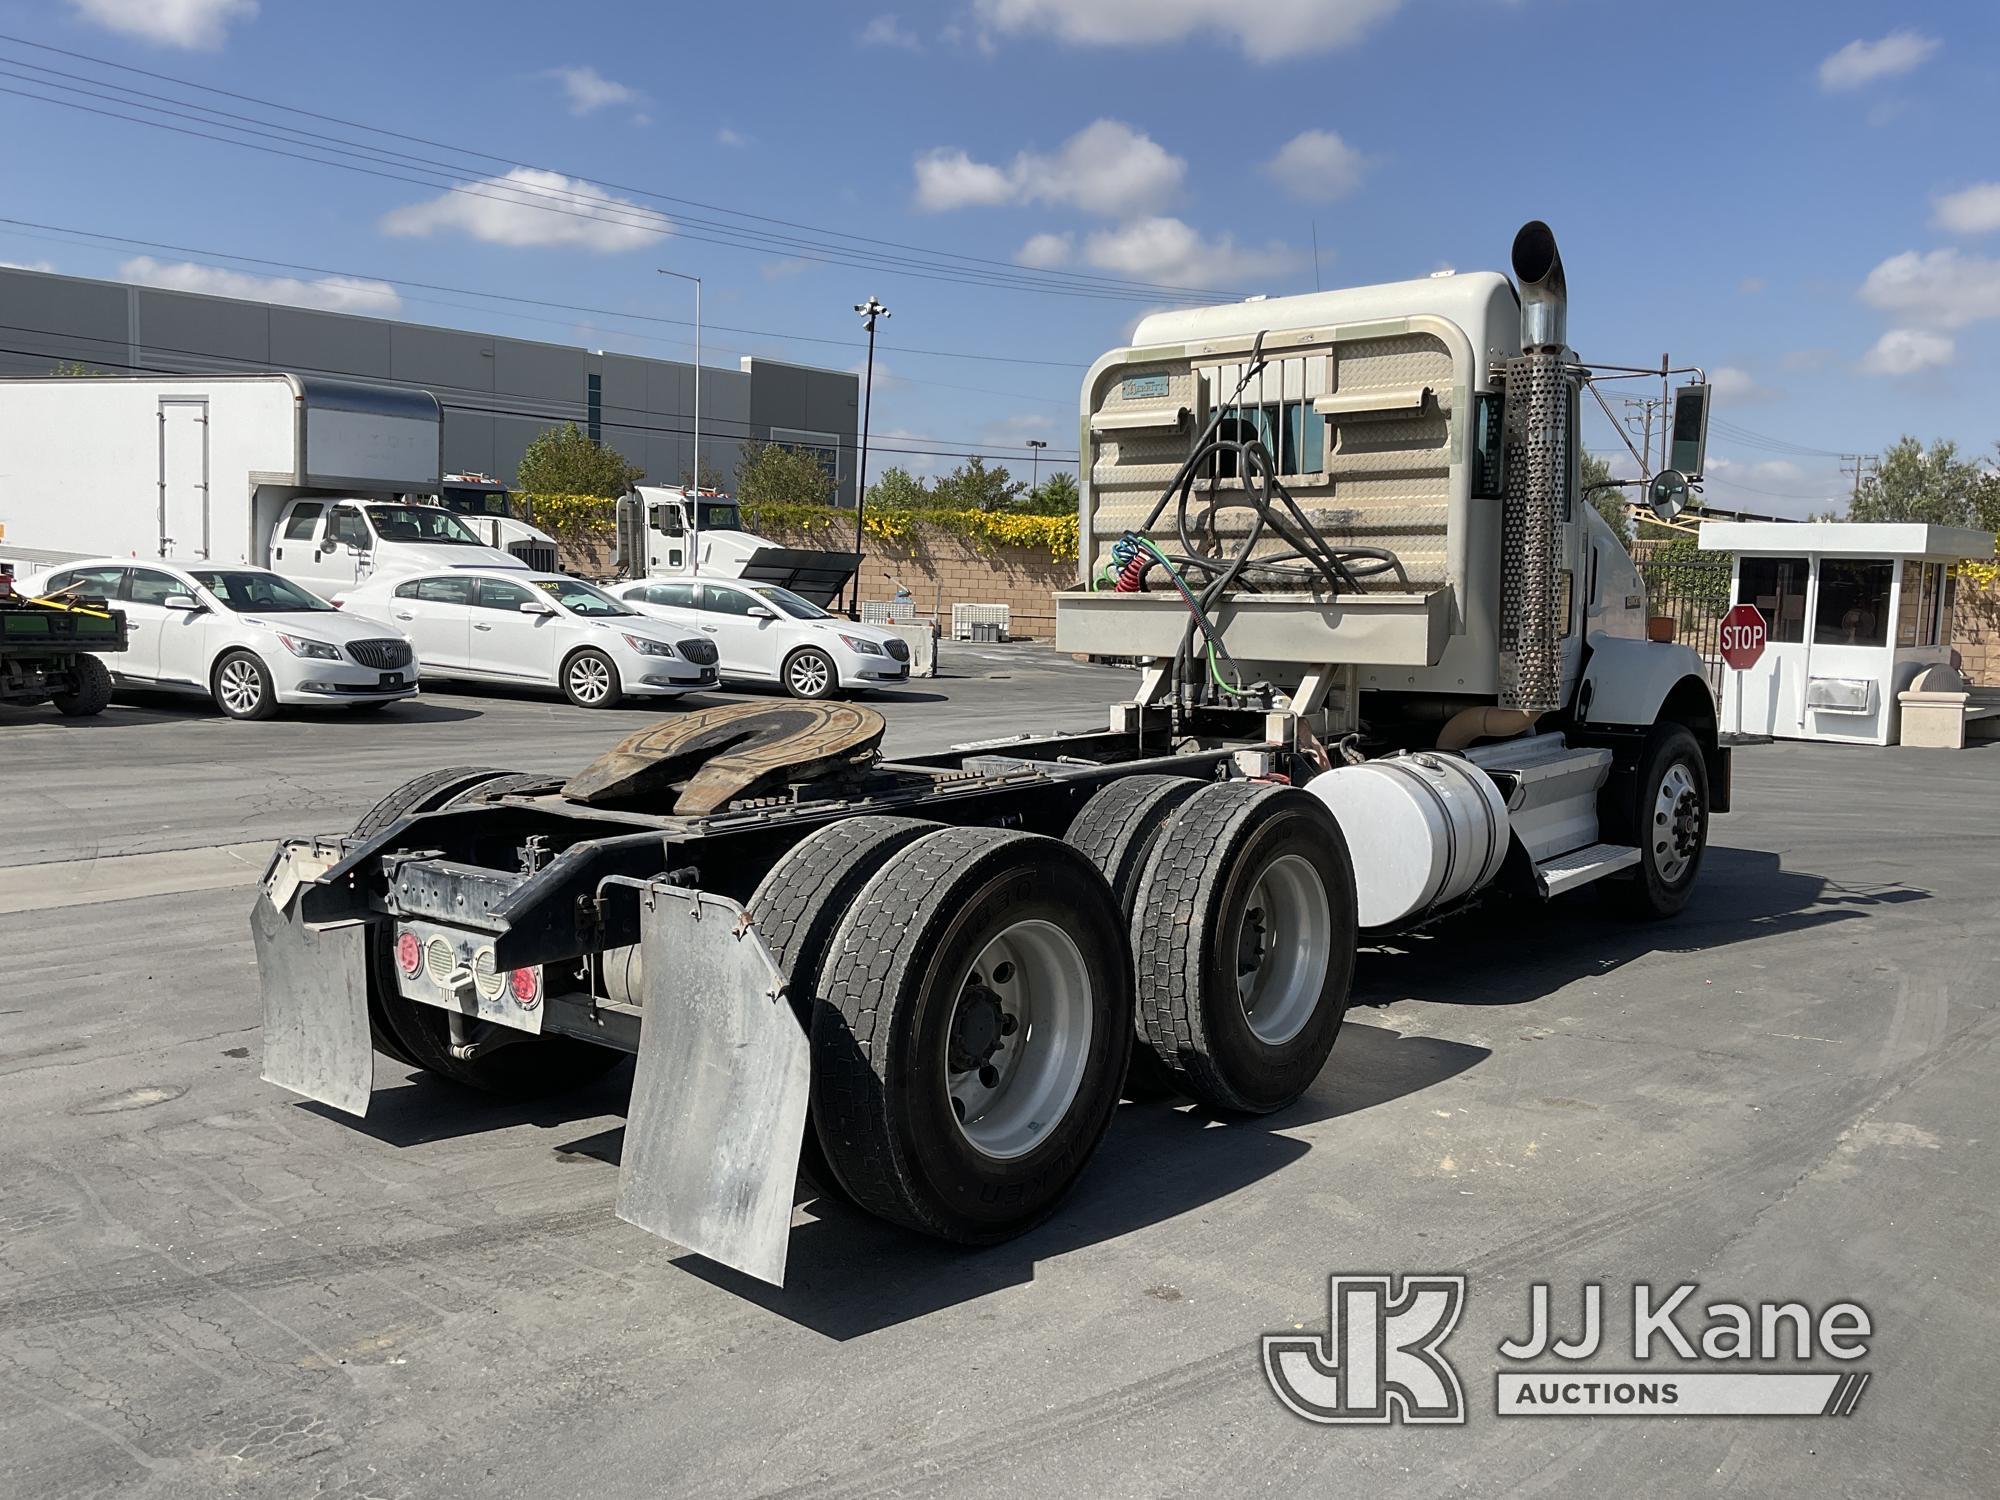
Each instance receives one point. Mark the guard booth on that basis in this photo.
(1853, 611)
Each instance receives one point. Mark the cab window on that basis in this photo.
(150, 586)
(726, 601)
(347, 528)
(304, 517)
(495, 593)
(444, 590)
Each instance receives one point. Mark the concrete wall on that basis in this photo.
(497, 393)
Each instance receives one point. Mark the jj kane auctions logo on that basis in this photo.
(1382, 1358)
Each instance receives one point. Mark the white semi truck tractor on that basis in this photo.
(305, 476)
(1396, 665)
(485, 506)
(682, 533)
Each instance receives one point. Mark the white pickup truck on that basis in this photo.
(331, 544)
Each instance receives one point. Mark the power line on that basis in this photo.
(359, 157)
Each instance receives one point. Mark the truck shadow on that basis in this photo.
(1528, 951)
(850, 1274)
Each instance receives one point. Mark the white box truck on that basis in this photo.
(309, 477)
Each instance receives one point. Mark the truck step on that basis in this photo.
(1566, 872)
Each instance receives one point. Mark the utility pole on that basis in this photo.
(694, 499)
(870, 311)
(1036, 445)
(1860, 461)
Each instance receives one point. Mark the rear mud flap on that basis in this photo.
(315, 984)
(719, 1096)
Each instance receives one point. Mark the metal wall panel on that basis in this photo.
(308, 343)
(182, 331)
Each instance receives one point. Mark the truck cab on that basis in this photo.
(329, 543)
(679, 533)
(485, 506)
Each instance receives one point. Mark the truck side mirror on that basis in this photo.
(1689, 453)
(1667, 493)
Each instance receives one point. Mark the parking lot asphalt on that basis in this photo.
(210, 1288)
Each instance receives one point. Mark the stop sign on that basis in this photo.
(1741, 637)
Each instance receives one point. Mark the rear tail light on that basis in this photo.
(527, 987)
(409, 954)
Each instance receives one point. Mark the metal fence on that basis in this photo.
(1690, 588)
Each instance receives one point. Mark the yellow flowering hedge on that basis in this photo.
(580, 518)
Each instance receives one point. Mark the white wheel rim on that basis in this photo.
(1025, 1070)
(809, 675)
(589, 680)
(241, 686)
(1283, 948)
(1676, 830)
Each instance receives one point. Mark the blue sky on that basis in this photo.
(1805, 199)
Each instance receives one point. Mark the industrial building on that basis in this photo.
(497, 393)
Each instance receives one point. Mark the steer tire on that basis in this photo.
(883, 1034)
(1650, 893)
(1193, 913)
(89, 691)
(1115, 831)
(797, 906)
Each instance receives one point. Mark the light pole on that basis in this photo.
(694, 502)
(870, 311)
(1035, 446)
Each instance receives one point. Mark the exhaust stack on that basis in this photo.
(1537, 503)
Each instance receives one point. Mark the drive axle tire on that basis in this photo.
(89, 691)
(1667, 819)
(1115, 831)
(426, 793)
(1244, 923)
(973, 1030)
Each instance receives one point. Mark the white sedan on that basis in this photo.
(769, 634)
(244, 636)
(541, 629)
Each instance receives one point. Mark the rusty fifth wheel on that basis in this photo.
(974, 1018)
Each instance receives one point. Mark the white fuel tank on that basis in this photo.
(1424, 830)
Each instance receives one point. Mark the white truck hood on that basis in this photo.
(421, 557)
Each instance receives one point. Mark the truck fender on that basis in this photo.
(1630, 686)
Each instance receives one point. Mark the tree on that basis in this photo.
(712, 478)
(1055, 496)
(973, 486)
(562, 461)
(76, 367)
(772, 474)
(1934, 486)
(898, 489)
(1610, 503)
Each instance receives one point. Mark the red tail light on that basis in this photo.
(409, 953)
(527, 987)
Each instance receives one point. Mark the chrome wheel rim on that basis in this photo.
(1676, 830)
(589, 680)
(240, 686)
(1283, 949)
(1017, 1042)
(809, 676)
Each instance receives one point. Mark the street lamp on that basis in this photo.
(694, 503)
(870, 311)
(1035, 445)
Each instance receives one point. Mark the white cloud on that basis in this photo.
(887, 31)
(1973, 210)
(1905, 351)
(1269, 32)
(1941, 289)
(736, 140)
(33, 265)
(1861, 63)
(533, 207)
(346, 294)
(1737, 386)
(590, 91)
(1317, 166)
(197, 25)
(1044, 250)
(1106, 168)
(1169, 251)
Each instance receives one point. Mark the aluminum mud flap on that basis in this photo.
(315, 985)
(719, 1096)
